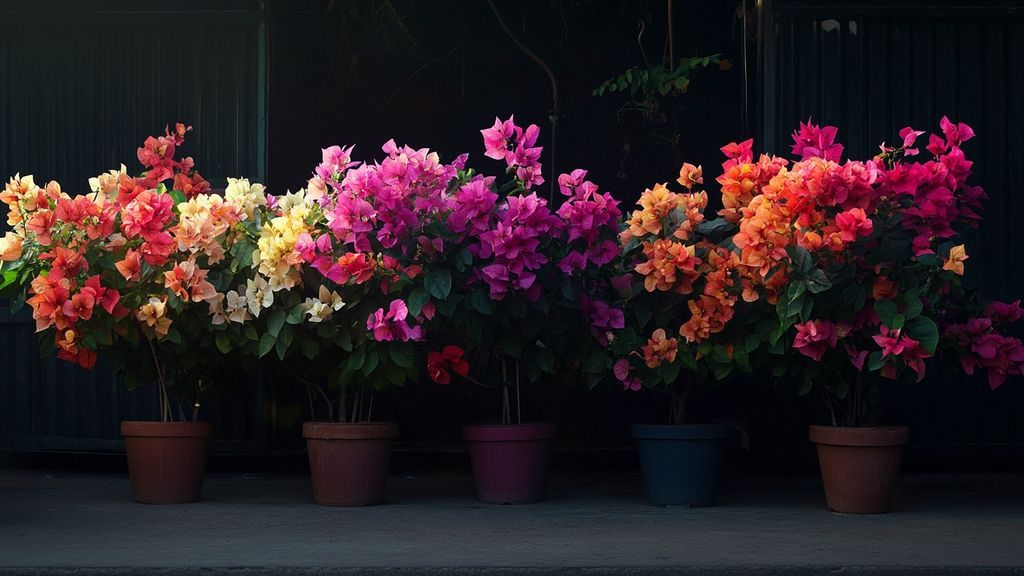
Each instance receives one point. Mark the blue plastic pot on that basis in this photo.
(681, 464)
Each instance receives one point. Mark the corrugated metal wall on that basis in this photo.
(81, 85)
(871, 70)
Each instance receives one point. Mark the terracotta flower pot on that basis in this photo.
(166, 460)
(680, 463)
(510, 462)
(859, 466)
(349, 461)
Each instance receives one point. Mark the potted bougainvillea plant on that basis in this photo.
(342, 262)
(868, 257)
(513, 297)
(134, 268)
(696, 315)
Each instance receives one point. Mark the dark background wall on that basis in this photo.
(267, 84)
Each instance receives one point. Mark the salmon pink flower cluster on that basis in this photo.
(126, 260)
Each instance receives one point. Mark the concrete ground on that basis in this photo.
(592, 524)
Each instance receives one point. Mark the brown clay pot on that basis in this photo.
(166, 460)
(859, 466)
(349, 462)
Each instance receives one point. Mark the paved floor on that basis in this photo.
(267, 524)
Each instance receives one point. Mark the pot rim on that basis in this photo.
(349, 430)
(157, 429)
(682, 431)
(859, 435)
(508, 432)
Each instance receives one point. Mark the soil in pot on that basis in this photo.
(681, 464)
(166, 460)
(510, 461)
(859, 466)
(349, 461)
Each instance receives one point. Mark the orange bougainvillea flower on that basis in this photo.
(669, 266)
(690, 175)
(153, 316)
(955, 262)
(708, 316)
(130, 267)
(655, 206)
(188, 282)
(10, 247)
(48, 302)
(660, 349)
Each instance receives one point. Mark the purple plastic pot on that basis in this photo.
(510, 462)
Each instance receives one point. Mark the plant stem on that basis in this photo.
(165, 409)
(519, 405)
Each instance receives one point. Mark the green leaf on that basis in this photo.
(294, 315)
(818, 281)
(898, 321)
(913, 306)
(924, 331)
(596, 363)
(9, 277)
(357, 359)
(251, 333)
(886, 310)
(669, 371)
(481, 301)
(284, 340)
(275, 322)
(805, 386)
(546, 362)
(513, 347)
(642, 312)
(178, 197)
(267, 342)
(417, 299)
(223, 342)
(438, 283)
(403, 354)
(875, 360)
(372, 361)
(310, 349)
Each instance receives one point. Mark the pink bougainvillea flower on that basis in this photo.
(811, 141)
(815, 337)
(497, 138)
(622, 370)
(909, 136)
(392, 325)
(852, 224)
(335, 161)
(1004, 313)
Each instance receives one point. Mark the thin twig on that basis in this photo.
(519, 406)
(165, 409)
(421, 69)
(528, 52)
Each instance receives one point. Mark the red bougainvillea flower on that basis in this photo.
(450, 358)
(895, 344)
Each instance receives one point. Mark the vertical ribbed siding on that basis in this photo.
(873, 70)
(80, 88)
